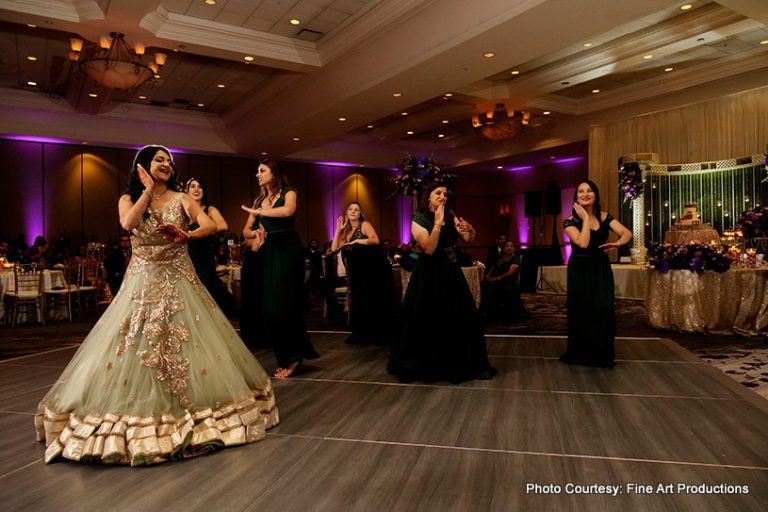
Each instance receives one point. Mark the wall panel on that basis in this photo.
(62, 191)
(100, 191)
(21, 188)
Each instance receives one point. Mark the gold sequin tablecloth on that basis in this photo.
(687, 236)
(473, 275)
(734, 302)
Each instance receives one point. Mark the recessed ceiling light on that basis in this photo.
(201, 105)
(667, 70)
(296, 139)
(546, 112)
(32, 83)
(84, 142)
(448, 94)
(647, 57)
(403, 113)
(31, 58)
(595, 91)
(552, 157)
(764, 41)
(440, 135)
(370, 126)
(342, 119)
(31, 25)
(210, 2)
(515, 72)
(264, 153)
(93, 95)
(396, 94)
(587, 45)
(156, 77)
(489, 55)
(685, 7)
(248, 58)
(409, 132)
(499, 166)
(220, 86)
(445, 121)
(142, 97)
(294, 21)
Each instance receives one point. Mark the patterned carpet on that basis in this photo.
(743, 359)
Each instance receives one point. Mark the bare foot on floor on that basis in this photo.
(284, 373)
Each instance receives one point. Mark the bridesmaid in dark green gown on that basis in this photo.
(278, 268)
(440, 333)
(203, 252)
(591, 303)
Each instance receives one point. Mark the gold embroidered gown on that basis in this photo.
(162, 375)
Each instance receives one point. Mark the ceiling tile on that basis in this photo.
(332, 16)
(231, 18)
(241, 6)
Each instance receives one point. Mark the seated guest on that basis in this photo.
(315, 259)
(38, 249)
(4, 247)
(389, 251)
(496, 251)
(501, 296)
(18, 250)
(408, 261)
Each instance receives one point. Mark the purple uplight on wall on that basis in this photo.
(522, 220)
(519, 168)
(406, 212)
(568, 160)
(31, 138)
(337, 164)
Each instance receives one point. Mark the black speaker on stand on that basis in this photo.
(533, 207)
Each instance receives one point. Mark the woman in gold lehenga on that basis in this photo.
(162, 375)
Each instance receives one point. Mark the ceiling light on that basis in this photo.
(445, 121)
(370, 126)
(448, 94)
(142, 97)
(685, 7)
(403, 113)
(595, 91)
(342, 119)
(647, 57)
(93, 95)
(587, 45)
(667, 70)
(552, 157)
(248, 58)
(499, 166)
(409, 132)
(84, 142)
(294, 21)
(440, 136)
(546, 112)
(113, 63)
(31, 58)
(489, 55)
(31, 25)
(501, 123)
(264, 153)
(296, 139)
(210, 2)
(220, 86)
(764, 41)
(396, 94)
(33, 84)
(201, 105)
(515, 72)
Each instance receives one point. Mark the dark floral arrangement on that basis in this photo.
(415, 175)
(694, 257)
(754, 223)
(765, 163)
(631, 180)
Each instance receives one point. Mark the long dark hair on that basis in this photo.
(424, 204)
(596, 207)
(144, 157)
(204, 199)
(279, 181)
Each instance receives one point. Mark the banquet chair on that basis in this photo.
(89, 285)
(63, 294)
(27, 291)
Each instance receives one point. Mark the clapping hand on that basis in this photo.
(173, 234)
(146, 179)
(252, 211)
(581, 212)
(259, 237)
(341, 223)
(463, 226)
(440, 214)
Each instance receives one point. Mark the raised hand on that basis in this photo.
(173, 234)
(440, 215)
(463, 226)
(146, 179)
(252, 211)
(581, 212)
(341, 223)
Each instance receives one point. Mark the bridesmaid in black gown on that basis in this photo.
(370, 278)
(440, 334)
(203, 251)
(591, 303)
(278, 271)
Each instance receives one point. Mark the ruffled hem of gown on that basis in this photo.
(120, 439)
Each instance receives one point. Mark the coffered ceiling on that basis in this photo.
(386, 67)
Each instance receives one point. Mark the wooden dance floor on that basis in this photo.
(667, 430)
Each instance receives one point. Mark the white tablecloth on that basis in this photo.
(629, 280)
(473, 275)
(51, 279)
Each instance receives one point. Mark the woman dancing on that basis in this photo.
(162, 375)
(276, 302)
(440, 336)
(371, 282)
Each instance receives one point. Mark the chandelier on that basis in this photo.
(114, 64)
(500, 123)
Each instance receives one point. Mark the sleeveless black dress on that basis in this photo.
(202, 252)
(591, 302)
(372, 293)
(440, 333)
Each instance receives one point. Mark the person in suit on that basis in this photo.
(496, 252)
